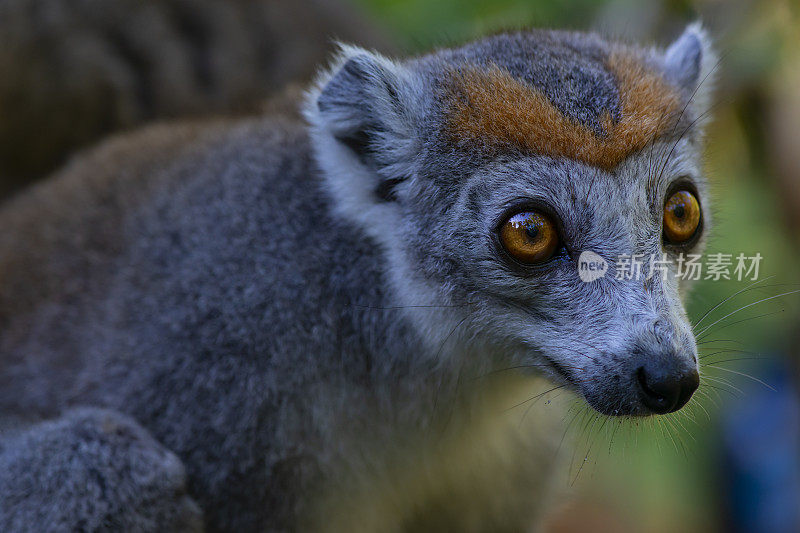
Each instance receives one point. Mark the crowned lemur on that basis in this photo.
(204, 325)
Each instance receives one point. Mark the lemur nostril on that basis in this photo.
(666, 392)
(653, 399)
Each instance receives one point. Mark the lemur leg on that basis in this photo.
(92, 470)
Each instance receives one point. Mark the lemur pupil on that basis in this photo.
(679, 211)
(532, 232)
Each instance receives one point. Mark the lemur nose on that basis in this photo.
(666, 391)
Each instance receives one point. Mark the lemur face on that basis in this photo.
(485, 172)
(625, 344)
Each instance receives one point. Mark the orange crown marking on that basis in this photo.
(492, 108)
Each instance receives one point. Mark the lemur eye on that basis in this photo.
(529, 236)
(681, 217)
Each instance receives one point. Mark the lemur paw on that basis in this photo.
(93, 470)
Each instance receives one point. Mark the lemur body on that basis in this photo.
(263, 301)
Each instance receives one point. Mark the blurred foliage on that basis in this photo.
(654, 478)
(422, 24)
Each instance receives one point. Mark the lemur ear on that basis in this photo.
(690, 63)
(365, 102)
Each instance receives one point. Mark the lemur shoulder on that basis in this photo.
(272, 324)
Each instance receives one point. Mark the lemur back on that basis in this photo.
(286, 307)
(77, 70)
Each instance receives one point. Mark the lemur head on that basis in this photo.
(484, 172)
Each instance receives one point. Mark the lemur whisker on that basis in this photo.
(522, 419)
(395, 307)
(579, 353)
(676, 418)
(584, 423)
(594, 441)
(733, 360)
(592, 346)
(692, 124)
(651, 179)
(681, 136)
(696, 89)
(704, 356)
(673, 431)
(534, 397)
(665, 432)
(680, 115)
(588, 440)
(706, 395)
(458, 386)
(672, 423)
(719, 379)
(566, 429)
(736, 392)
(743, 374)
(728, 298)
(700, 343)
(699, 404)
(717, 330)
(518, 367)
(652, 144)
(689, 412)
(683, 111)
(585, 354)
(438, 353)
(705, 329)
(717, 390)
(613, 434)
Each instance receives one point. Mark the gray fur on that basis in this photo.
(92, 470)
(242, 293)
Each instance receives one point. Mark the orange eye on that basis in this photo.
(529, 236)
(681, 217)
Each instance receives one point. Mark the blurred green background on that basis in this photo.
(680, 476)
